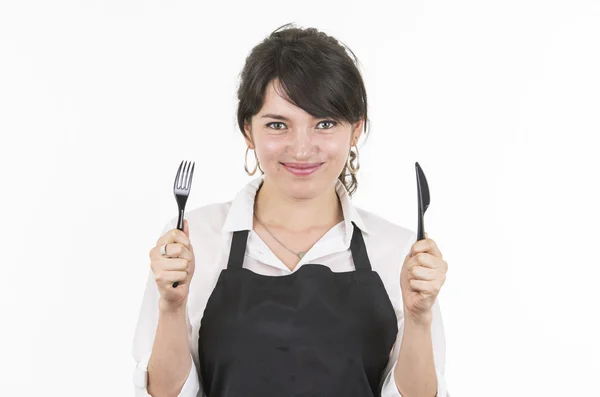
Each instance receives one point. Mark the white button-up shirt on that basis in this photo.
(211, 229)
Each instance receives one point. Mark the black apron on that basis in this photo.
(313, 332)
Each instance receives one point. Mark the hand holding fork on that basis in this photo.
(181, 190)
(173, 260)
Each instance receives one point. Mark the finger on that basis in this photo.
(424, 259)
(173, 250)
(177, 264)
(425, 245)
(178, 250)
(426, 287)
(422, 273)
(174, 236)
(169, 277)
(186, 229)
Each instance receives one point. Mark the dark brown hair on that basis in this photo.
(317, 75)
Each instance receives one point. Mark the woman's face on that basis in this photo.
(299, 154)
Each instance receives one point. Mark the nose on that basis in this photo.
(302, 143)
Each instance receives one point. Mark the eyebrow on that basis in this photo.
(274, 116)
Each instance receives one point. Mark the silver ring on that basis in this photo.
(163, 250)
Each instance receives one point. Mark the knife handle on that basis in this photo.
(420, 226)
(422, 200)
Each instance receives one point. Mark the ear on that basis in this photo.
(248, 136)
(357, 129)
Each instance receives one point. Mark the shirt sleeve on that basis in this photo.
(389, 388)
(144, 340)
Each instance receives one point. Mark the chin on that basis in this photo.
(305, 189)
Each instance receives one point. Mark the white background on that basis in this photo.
(498, 101)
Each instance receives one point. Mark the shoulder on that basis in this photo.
(387, 245)
(387, 242)
(382, 229)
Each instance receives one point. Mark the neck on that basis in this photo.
(274, 208)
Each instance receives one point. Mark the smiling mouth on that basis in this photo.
(301, 169)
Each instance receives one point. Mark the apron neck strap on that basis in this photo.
(359, 250)
(357, 247)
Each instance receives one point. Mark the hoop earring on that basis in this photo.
(256, 166)
(353, 168)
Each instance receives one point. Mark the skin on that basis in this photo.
(290, 202)
(171, 361)
(297, 209)
(422, 276)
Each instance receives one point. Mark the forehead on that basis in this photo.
(274, 103)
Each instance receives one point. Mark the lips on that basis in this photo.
(302, 165)
(301, 168)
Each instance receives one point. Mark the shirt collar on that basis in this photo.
(240, 214)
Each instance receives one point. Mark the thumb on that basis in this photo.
(186, 229)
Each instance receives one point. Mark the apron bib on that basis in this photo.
(313, 332)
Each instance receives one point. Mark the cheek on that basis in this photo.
(336, 152)
(270, 151)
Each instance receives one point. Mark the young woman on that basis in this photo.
(289, 289)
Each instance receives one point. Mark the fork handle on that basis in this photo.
(180, 220)
(180, 227)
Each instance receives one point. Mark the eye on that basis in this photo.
(275, 122)
(334, 123)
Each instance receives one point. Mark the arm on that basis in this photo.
(415, 370)
(420, 362)
(418, 357)
(170, 361)
(164, 364)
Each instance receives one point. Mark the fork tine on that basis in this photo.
(189, 181)
(175, 184)
(184, 178)
(185, 175)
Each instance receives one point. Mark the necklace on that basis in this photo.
(298, 254)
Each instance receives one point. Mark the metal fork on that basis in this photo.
(181, 189)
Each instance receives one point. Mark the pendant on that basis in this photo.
(301, 254)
